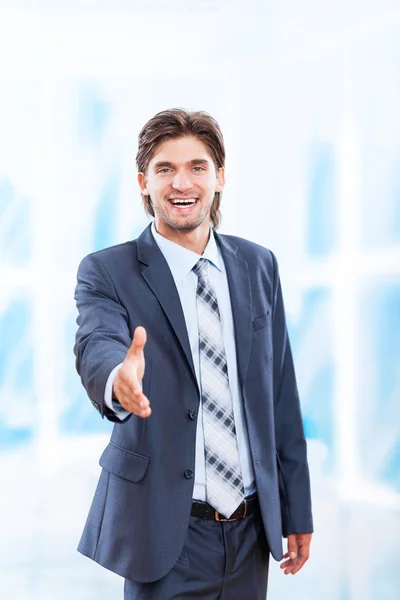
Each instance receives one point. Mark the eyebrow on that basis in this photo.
(194, 162)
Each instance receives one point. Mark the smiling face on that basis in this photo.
(181, 180)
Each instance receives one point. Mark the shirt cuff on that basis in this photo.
(114, 405)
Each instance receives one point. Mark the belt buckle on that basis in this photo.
(219, 517)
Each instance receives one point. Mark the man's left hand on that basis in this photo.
(298, 552)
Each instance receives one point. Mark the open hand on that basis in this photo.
(127, 386)
(298, 552)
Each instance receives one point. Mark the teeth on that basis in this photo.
(183, 202)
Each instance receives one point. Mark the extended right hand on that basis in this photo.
(127, 386)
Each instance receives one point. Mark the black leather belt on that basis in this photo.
(206, 511)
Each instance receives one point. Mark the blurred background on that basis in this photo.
(307, 94)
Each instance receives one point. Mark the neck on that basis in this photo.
(195, 240)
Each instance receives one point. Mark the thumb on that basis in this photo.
(292, 546)
(138, 342)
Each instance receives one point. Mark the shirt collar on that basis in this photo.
(181, 260)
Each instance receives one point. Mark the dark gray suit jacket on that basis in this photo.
(140, 512)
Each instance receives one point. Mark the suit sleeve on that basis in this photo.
(103, 336)
(290, 440)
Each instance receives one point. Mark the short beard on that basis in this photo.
(180, 226)
(186, 227)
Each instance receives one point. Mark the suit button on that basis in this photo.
(192, 415)
(188, 474)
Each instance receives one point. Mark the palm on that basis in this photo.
(127, 385)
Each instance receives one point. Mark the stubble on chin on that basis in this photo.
(180, 224)
(184, 225)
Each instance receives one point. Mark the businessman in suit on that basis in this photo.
(182, 343)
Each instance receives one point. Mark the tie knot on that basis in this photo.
(201, 268)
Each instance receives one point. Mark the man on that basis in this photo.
(182, 342)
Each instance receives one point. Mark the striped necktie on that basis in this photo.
(224, 484)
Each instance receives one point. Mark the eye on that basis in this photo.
(165, 170)
(198, 169)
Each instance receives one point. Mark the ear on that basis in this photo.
(142, 183)
(220, 179)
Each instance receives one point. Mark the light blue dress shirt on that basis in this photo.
(181, 262)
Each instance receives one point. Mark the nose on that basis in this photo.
(182, 181)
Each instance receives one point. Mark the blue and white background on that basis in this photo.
(308, 95)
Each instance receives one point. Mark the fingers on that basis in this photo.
(299, 563)
(138, 343)
(127, 385)
(298, 553)
(128, 390)
(293, 566)
(292, 546)
(138, 404)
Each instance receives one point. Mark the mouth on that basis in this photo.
(183, 205)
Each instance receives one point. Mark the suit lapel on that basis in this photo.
(156, 273)
(240, 294)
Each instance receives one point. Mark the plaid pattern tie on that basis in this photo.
(224, 484)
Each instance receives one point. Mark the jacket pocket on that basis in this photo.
(261, 322)
(124, 463)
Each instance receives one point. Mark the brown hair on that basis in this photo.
(174, 123)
